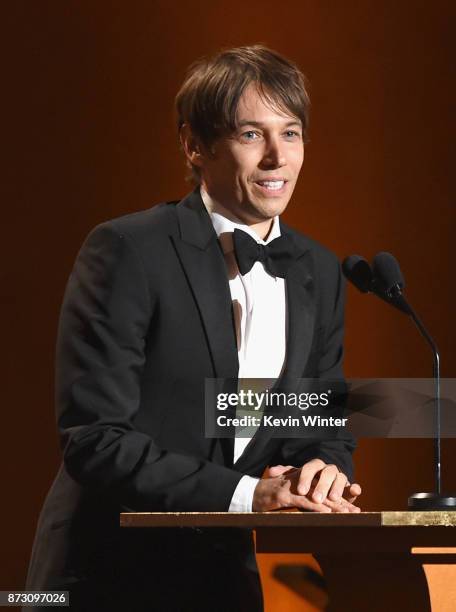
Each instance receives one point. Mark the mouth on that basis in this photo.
(272, 187)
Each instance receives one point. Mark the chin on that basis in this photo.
(272, 209)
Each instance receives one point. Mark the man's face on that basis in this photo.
(253, 171)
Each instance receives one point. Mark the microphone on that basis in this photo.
(357, 270)
(370, 280)
(387, 282)
(387, 273)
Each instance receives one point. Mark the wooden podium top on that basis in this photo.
(255, 520)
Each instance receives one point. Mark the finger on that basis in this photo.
(278, 470)
(341, 506)
(288, 498)
(303, 503)
(308, 472)
(355, 489)
(327, 477)
(337, 488)
(353, 492)
(352, 499)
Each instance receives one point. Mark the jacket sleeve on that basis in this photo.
(107, 310)
(338, 451)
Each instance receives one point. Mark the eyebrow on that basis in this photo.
(245, 122)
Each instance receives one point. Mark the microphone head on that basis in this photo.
(358, 271)
(386, 272)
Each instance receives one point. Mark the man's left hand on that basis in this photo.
(323, 483)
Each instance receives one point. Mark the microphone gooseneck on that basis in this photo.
(386, 280)
(387, 271)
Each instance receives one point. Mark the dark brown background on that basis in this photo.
(89, 133)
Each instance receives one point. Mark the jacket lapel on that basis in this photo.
(204, 265)
(301, 307)
(203, 262)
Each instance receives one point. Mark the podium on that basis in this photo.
(371, 561)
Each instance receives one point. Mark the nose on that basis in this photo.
(274, 155)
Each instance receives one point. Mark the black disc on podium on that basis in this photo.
(431, 501)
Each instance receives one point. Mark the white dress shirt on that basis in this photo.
(259, 306)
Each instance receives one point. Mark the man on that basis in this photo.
(157, 302)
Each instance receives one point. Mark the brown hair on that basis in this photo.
(210, 93)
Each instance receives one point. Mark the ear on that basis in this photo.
(190, 145)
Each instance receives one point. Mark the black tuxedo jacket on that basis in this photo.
(146, 317)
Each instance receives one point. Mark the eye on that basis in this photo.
(250, 135)
(292, 134)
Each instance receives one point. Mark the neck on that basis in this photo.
(262, 229)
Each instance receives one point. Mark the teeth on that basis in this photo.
(272, 184)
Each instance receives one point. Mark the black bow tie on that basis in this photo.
(276, 256)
